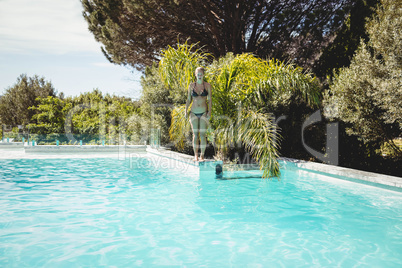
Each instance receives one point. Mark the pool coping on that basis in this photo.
(360, 176)
(11, 145)
(83, 148)
(208, 165)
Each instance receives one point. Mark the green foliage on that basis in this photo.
(340, 51)
(138, 129)
(180, 126)
(134, 32)
(261, 138)
(88, 117)
(368, 94)
(259, 83)
(13, 134)
(50, 115)
(243, 86)
(23, 94)
(177, 67)
(95, 116)
(156, 106)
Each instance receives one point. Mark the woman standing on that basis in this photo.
(200, 93)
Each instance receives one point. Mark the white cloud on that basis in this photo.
(50, 26)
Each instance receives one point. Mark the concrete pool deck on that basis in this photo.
(68, 151)
(84, 149)
(209, 165)
(17, 151)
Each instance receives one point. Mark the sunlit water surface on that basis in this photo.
(108, 212)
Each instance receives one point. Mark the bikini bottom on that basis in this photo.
(198, 114)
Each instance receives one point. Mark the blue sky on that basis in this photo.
(50, 38)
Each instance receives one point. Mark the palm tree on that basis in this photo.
(177, 67)
(243, 86)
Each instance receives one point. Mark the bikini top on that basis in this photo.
(204, 92)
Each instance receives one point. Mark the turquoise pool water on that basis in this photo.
(108, 212)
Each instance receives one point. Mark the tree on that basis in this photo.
(94, 116)
(244, 88)
(340, 51)
(134, 32)
(156, 104)
(368, 94)
(89, 117)
(50, 116)
(15, 102)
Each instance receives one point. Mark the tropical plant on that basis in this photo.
(243, 87)
(177, 66)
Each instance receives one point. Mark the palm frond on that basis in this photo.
(177, 65)
(225, 135)
(261, 137)
(179, 127)
(273, 77)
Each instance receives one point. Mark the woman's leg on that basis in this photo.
(195, 122)
(202, 133)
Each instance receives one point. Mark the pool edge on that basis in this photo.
(365, 177)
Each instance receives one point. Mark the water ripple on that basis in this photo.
(103, 212)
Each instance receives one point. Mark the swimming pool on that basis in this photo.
(109, 212)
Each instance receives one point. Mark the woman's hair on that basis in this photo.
(199, 69)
